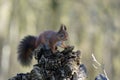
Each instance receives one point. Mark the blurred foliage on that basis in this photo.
(93, 27)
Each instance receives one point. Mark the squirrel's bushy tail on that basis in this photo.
(25, 48)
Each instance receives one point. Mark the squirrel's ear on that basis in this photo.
(63, 27)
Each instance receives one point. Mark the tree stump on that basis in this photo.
(63, 65)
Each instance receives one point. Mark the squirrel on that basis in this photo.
(50, 39)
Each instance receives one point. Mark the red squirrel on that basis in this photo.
(51, 39)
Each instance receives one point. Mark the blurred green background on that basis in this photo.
(93, 26)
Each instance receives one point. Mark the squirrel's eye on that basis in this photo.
(62, 36)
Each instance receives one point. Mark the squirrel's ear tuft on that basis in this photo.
(63, 27)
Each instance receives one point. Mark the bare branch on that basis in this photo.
(95, 60)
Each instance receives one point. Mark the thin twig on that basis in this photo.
(105, 74)
(95, 60)
(94, 66)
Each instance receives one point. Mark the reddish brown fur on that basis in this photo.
(50, 38)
